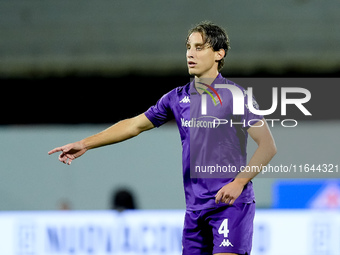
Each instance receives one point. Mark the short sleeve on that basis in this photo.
(161, 112)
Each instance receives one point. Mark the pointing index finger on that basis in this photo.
(55, 150)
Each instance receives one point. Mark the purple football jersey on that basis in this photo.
(214, 140)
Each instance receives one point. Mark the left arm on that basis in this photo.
(264, 153)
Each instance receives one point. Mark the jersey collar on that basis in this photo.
(193, 90)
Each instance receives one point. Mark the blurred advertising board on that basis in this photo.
(152, 232)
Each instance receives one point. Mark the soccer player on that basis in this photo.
(220, 202)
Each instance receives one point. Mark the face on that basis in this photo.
(201, 58)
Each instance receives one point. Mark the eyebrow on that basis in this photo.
(196, 44)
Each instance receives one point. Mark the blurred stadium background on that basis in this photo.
(69, 69)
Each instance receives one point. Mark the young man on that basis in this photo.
(220, 203)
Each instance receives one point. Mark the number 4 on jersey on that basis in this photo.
(224, 228)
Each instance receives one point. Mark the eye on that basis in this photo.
(188, 47)
(198, 48)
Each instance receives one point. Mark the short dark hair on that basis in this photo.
(213, 35)
(122, 199)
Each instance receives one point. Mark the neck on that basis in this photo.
(200, 81)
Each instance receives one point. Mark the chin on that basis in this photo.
(193, 72)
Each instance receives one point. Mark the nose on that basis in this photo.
(190, 53)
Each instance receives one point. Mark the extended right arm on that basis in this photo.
(119, 132)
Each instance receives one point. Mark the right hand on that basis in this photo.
(69, 152)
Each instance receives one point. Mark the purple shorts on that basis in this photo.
(222, 229)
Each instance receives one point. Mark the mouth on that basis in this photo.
(191, 64)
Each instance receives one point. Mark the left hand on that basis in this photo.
(229, 193)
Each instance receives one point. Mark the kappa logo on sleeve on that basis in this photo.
(185, 100)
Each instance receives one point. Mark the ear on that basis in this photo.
(219, 54)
